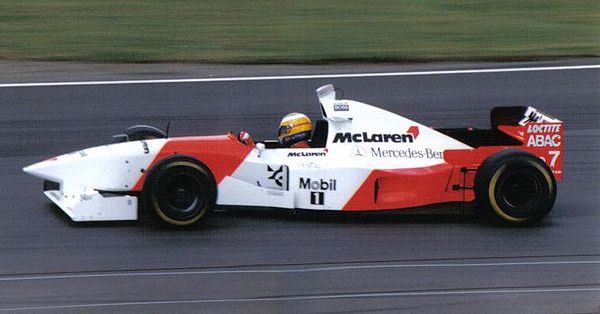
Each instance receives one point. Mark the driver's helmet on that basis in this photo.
(294, 127)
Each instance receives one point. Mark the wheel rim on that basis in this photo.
(520, 190)
(181, 195)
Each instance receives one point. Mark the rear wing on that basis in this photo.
(540, 133)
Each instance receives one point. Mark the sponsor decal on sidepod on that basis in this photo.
(428, 153)
(317, 189)
(364, 137)
(320, 185)
(410, 153)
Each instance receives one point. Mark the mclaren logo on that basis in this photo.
(307, 154)
(365, 137)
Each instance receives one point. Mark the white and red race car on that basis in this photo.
(362, 158)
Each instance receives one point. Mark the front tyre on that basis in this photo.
(516, 188)
(180, 190)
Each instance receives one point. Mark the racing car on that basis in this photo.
(360, 158)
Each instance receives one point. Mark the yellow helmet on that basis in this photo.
(294, 127)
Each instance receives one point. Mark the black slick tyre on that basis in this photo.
(180, 190)
(513, 187)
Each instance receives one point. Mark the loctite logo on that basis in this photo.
(543, 128)
(365, 137)
(317, 185)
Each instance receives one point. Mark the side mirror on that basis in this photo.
(260, 147)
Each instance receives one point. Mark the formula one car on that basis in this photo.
(361, 158)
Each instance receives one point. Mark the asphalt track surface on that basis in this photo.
(274, 261)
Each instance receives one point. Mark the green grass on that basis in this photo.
(296, 31)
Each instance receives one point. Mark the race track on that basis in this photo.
(272, 261)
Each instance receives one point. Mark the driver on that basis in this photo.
(294, 131)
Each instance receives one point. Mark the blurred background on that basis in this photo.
(310, 31)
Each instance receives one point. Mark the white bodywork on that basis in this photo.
(345, 164)
(81, 174)
(360, 138)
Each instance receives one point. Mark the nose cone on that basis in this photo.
(46, 169)
(115, 167)
(56, 168)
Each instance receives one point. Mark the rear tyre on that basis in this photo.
(180, 191)
(515, 188)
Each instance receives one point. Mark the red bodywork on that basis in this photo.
(454, 180)
(451, 181)
(222, 154)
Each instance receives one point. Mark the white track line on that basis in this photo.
(313, 297)
(302, 77)
(291, 270)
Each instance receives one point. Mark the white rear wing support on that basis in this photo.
(334, 109)
(326, 92)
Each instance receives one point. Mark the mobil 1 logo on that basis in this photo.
(317, 198)
(317, 189)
